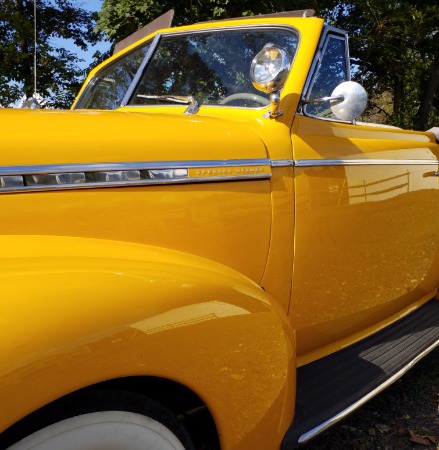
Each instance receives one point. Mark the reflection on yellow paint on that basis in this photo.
(385, 182)
(366, 242)
(349, 185)
(188, 315)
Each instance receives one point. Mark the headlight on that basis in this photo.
(269, 69)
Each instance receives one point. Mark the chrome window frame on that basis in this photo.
(327, 34)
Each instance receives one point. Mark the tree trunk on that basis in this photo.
(26, 62)
(397, 97)
(430, 89)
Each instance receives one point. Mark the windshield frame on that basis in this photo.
(155, 41)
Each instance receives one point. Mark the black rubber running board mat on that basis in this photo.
(344, 380)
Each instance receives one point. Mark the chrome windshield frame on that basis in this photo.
(141, 69)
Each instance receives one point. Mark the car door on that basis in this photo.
(367, 217)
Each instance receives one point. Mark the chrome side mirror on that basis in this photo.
(348, 100)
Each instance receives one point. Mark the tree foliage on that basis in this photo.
(395, 51)
(58, 75)
(120, 18)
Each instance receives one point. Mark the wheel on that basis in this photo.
(106, 420)
(245, 97)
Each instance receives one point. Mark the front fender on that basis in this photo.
(80, 311)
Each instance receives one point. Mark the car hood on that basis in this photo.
(32, 137)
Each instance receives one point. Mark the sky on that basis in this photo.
(91, 5)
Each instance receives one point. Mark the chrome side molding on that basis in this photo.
(363, 162)
(14, 179)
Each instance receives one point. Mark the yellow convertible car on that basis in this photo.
(209, 251)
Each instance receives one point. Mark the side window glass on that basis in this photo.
(332, 71)
(110, 85)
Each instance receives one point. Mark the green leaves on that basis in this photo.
(395, 45)
(58, 73)
(120, 18)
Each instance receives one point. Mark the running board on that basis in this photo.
(332, 387)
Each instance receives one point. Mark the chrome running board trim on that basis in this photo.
(327, 424)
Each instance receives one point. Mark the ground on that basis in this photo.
(404, 417)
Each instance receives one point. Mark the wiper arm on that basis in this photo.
(193, 107)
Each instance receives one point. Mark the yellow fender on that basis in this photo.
(79, 311)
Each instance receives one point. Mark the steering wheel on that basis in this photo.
(245, 96)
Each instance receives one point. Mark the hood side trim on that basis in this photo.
(36, 178)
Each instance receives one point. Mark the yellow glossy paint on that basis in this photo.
(179, 217)
(210, 284)
(277, 276)
(113, 136)
(362, 257)
(207, 220)
(170, 301)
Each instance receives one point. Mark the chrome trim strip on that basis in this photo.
(147, 165)
(282, 163)
(325, 425)
(14, 179)
(363, 162)
(115, 184)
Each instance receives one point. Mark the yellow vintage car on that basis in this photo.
(209, 251)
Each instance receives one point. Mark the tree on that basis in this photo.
(58, 75)
(120, 18)
(395, 51)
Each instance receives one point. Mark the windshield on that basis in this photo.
(211, 66)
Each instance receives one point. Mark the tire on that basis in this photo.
(103, 420)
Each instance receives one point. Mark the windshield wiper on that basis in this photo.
(193, 107)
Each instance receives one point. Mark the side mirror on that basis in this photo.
(348, 100)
